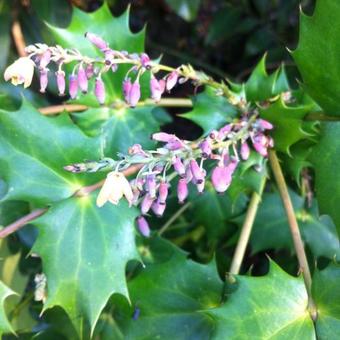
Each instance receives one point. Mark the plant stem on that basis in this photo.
(173, 218)
(294, 227)
(246, 229)
(18, 38)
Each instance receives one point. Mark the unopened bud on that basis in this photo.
(96, 40)
(43, 80)
(171, 80)
(99, 90)
(158, 208)
(182, 190)
(61, 82)
(143, 226)
(82, 79)
(73, 86)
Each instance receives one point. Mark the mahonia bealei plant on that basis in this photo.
(227, 147)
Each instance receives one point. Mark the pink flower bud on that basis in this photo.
(134, 94)
(158, 208)
(221, 178)
(145, 60)
(163, 191)
(205, 148)
(43, 80)
(126, 88)
(260, 144)
(157, 88)
(188, 174)
(82, 79)
(264, 124)
(223, 132)
(200, 187)
(171, 80)
(174, 144)
(146, 204)
(73, 86)
(182, 190)
(96, 40)
(61, 82)
(143, 226)
(151, 185)
(197, 173)
(89, 71)
(245, 151)
(45, 59)
(163, 137)
(99, 90)
(178, 166)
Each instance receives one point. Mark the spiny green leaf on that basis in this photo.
(261, 86)
(5, 326)
(269, 307)
(118, 129)
(325, 157)
(210, 111)
(318, 54)
(33, 151)
(84, 251)
(115, 31)
(326, 294)
(318, 232)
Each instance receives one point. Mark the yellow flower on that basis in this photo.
(115, 187)
(21, 71)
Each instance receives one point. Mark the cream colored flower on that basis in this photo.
(20, 72)
(115, 187)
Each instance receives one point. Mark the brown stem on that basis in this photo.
(52, 110)
(21, 222)
(294, 227)
(18, 38)
(246, 229)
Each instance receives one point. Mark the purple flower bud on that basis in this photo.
(158, 208)
(96, 40)
(264, 124)
(188, 174)
(178, 166)
(82, 79)
(126, 88)
(145, 60)
(223, 132)
(163, 137)
(171, 80)
(182, 190)
(200, 187)
(151, 185)
(146, 204)
(43, 80)
(114, 67)
(45, 59)
(73, 86)
(143, 226)
(99, 90)
(245, 151)
(260, 144)
(221, 178)
(205, 148)
(157, 88)
(197, 173)
(134, 94)
(163, 192)
(61, 82)
(89, 71)
(174, 144)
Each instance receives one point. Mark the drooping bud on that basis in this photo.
(182, 190)
(200, 187)
(245, 151)
(126, 88)
(163, 191)
(264, 124)
(99, 90)
(134, 94)
(89, 70)
(221, 178)
(73, 86)
(178, 166)
(205, 148)
(188, 174)
(43, 80)
(45, 59)
(158, 208)
(157, 88)
(196, 172)
(171, 80)
(61, 82)
(143, 226)
(82, 79)
(260, 144)
(146, 204)
(151, 185)
(96, 40)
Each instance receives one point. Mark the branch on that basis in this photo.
(246, 229)
(18, 38)
(21, 222)
(294, 227)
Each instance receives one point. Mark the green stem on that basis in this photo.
(246, 229)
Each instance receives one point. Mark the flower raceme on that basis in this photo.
(223, 150)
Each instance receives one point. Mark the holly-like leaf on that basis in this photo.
(261, 86)
(33, 151)
(325, 157)
(210, 111)
(115, 31)
(172, 298)
(118, 129)
(84, 251)
(289, 127)
(5, 326)
(318, 232)
(318, 54)
(326, 294)
(269, 307)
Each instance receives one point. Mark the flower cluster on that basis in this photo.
(224, 148)
(86, 68)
